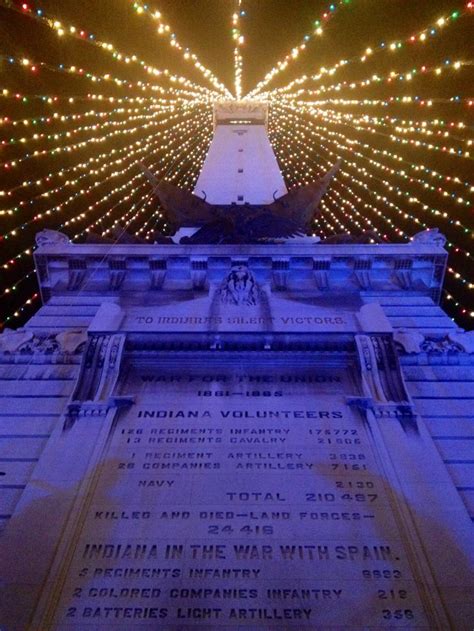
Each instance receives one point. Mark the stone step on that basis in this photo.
(460, 426)
(422, 322)
(21, 406)
(443, 373)
(445, 407)
(28, 387)
(18, 446)
(440, 389)
(41, 372)
(426, 311)
(27, 424)
(461, 448)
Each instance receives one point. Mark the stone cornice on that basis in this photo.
(69, 268)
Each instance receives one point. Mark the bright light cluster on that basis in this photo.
(69, 159)
(238, 38)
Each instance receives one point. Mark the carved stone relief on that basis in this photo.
(431, 237)
(382, 383)
(26, 342)
(51, 237)
(239, 287)
(409, 342)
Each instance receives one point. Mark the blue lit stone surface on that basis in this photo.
(242, 437)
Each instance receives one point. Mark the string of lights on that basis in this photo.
(420, 37)
(71, 31)
(165, 30)
(322, 134)
(34, 67)
(80, 113)
(290, 138)
(238, 38)
(163, 140)
(400, 173)
(317, 30)
(190, 137)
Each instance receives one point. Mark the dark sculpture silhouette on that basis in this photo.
(288, 216)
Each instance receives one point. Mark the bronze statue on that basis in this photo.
(289, 215)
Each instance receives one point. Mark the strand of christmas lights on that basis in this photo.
(102, 137)
(361, 122)
(393, 100)
(326, 116)
(163, 138)
(406, 76)
(422, 36)
(39, 15)
(238, 43)
(193, 90)
(63, 171)
(456, 275)
(194, 155)
(165, 30)
(283, 64)
(183, 148)
(341, 142)
(305, 177)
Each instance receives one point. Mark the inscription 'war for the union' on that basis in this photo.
(187, 378)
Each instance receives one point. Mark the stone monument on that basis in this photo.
(252, 432)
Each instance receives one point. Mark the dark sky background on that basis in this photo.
(271, 28)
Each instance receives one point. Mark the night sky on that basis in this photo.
(76, 117)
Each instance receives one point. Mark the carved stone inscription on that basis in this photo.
(241, 496)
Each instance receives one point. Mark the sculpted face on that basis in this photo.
(239, 287)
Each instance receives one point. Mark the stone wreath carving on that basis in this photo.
(51, 237)
(25, 342)
(414, 342)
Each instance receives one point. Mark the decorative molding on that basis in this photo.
(24, 342)
(77, 273)
(409, 341)
(175, 268)
(429, 237)
(94, 395)
(117, 272)
(239, 287)
(99, 369)
(280, 271)
(51, 237)
(363, 278)
(199, 273)
(157, 272)
(465, 341)
(382, 384)
(413, 342)
(404, 278)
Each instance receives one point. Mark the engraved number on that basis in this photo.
(385, 594)
(320, 497)
(381, 574)
(398, 614)
(341, 484)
